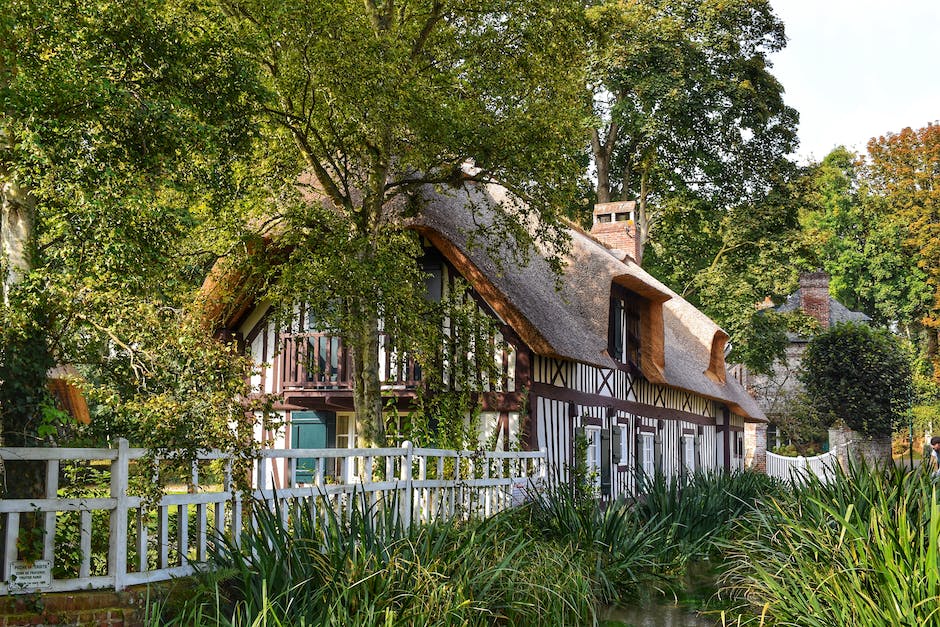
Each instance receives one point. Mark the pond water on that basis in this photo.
(698, 586)
(655, 616)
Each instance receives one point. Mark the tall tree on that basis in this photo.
(366, 103)
(727, 262)
(685, 103)
(905, 174)
(861, 242)
(118, 121)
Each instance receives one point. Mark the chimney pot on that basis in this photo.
(614, 226)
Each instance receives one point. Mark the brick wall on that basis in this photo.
(616, 234)
(85, 609)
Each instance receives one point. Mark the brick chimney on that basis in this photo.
(615, 227)
(814, 296)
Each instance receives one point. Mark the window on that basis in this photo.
(624, 445)
(432, 265)
(624, 327)
(345, 431)
(688, 452)
(648, 456)
(593, 435)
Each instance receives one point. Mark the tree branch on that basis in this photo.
(436, 15)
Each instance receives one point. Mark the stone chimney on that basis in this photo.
(615, 227)
(814, 296)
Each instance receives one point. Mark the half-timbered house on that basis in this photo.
(604, 348)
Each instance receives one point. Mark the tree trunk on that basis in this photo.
(642, 217)
(367, 386)
(932, 351)
(24, 361)
(603, 153)
(17, 209)
(626, 178)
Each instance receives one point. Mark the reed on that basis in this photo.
(861, 550)
(699, 510)
(624, 555)
(311, 567)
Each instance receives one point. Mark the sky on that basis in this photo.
(857, 69)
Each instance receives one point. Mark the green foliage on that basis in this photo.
(859, 241)
(903, 175)
(119, 124)
(803, 425)
(861, 550)
(860, 376)
(726, 262)
(685, 105)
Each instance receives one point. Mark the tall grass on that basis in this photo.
(699, 510)
(861, 550)
(550, 561)
(622, 554)
(315, 569)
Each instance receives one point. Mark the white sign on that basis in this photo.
(30, 576)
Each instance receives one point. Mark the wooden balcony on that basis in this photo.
(319, 361)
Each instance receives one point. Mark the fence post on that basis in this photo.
(117, 553)
(405, 475)
(543, 466)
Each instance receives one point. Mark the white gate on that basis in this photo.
(798, 468)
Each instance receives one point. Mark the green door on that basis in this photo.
(311, 429)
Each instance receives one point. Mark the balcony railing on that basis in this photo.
(320, 361)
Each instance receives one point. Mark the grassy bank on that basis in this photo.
(861, 550)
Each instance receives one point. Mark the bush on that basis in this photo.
(860, 376)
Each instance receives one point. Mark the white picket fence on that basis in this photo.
(798, 468)
(170, 538)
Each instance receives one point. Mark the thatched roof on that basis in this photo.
(568, 318)
(564, 317)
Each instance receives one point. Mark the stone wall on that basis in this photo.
(755, 446)
(853, 447)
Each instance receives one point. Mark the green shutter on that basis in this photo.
(605, 462)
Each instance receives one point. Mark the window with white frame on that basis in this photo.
(648, 457)
(688, 452)
(593, 436)
(624, 445)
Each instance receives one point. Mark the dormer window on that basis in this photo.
(624, 328)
